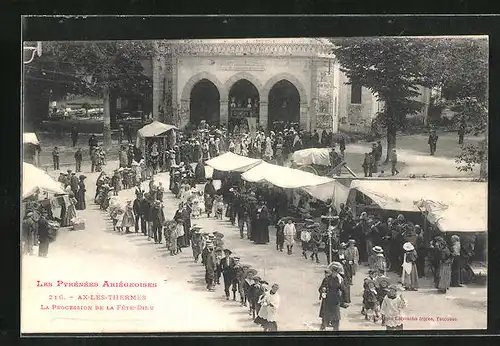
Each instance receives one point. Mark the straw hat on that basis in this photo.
(378, 249)
(336, 267)
(383, 279)
(408, 246)
(352, 241)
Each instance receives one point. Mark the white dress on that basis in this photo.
(267, 312)
(269, 150)
(289, 232)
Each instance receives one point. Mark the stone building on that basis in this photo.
(265, 81)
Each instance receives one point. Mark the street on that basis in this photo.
(413, 155)
(180, 301)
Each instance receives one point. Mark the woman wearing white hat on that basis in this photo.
(378, 261)
(409, 277)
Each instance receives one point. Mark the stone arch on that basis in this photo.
(284, 76)
(186, 91)
(242, 75)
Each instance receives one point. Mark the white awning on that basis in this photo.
(154, 129)
(230, 162)
(35, 179)
(30, 138)
(312, 156)
(453, 206)
(284, 177)
(334, 190)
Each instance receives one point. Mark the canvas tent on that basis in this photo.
(30, 138)
(31, 148)
(157, 132)
(312, 156)
(284, 177)
(453, 206)
(154, 129)
(230, 162)
(334, 190)
(35, 179)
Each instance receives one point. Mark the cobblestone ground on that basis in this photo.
(181, 301)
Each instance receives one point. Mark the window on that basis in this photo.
(355, 93)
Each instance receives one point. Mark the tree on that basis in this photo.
(388, 67)
(459, 67)
(44, 81)
(104, 67)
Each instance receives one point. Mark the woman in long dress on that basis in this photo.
(330, 293)
(260, 233)
(199, 172)
(410, 273)
(456, 267)
(80, 195)
(268, 151)
(237, 147)
(445, 261)
(70, 210)
(244, 147)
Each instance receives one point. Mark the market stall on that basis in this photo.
(153, 140)
(320, 161)
(35, 180)
(284, 177)
(450, 206)
(31, 148)
(230, 162)
(40, 192)
(334, 190)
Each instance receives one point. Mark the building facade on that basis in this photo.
(266, 81)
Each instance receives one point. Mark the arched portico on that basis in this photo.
(264, 103)
(185, 101)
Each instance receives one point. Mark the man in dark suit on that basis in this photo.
(227, 267)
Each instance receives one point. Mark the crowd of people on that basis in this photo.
(146, 214)
(385, 244)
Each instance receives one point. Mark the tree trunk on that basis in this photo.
(391, 141)
(483, 168)
(106, 121)
(112, 110)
